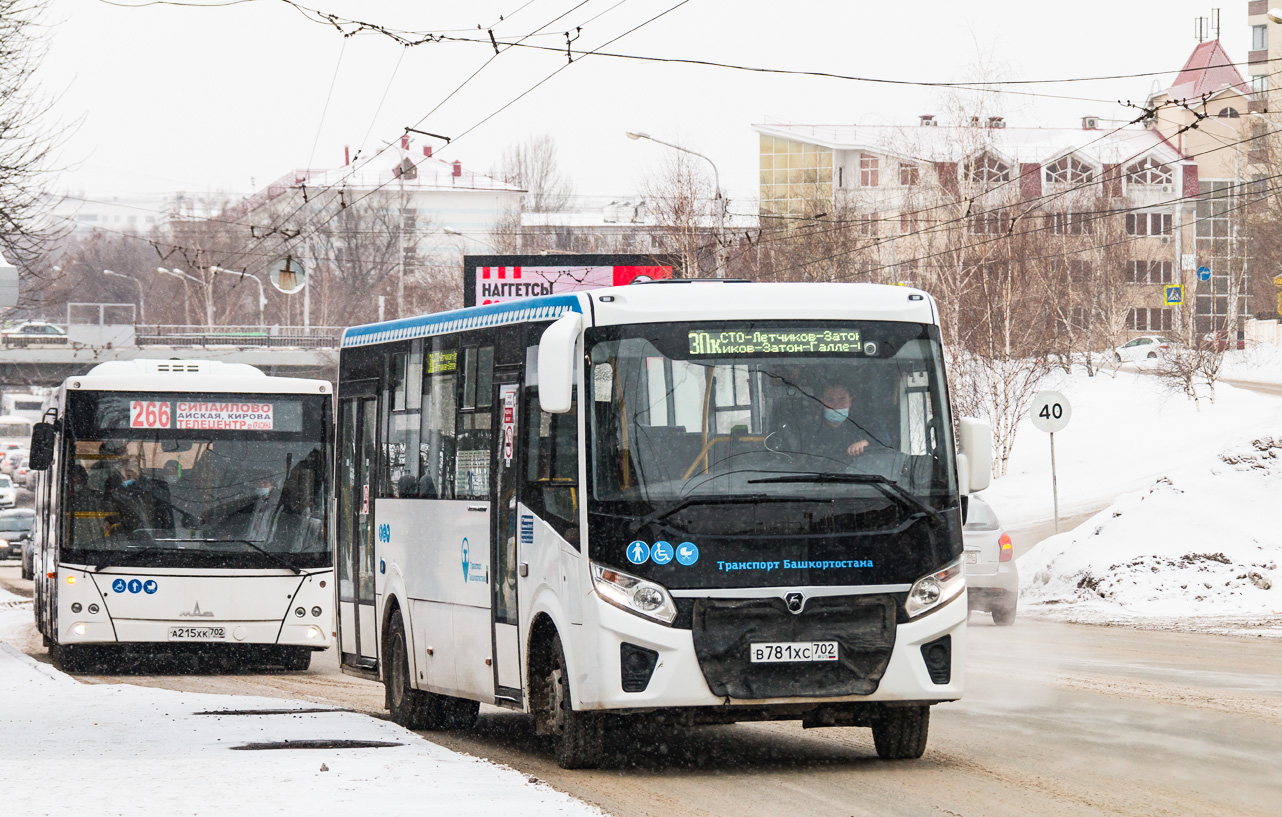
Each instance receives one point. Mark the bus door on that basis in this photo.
(504, 536)
(356, 492)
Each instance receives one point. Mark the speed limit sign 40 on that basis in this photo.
(1050, 411)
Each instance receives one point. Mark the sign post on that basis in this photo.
(1050, 412)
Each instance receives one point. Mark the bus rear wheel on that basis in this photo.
(580, 736)
(900, 732)
(411, 708)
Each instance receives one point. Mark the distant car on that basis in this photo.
(1145, 347)
(9, 459)
(15, 531)
(8, 493)
(992, 580)
(33, 332)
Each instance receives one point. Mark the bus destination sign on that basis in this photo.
(775, 342)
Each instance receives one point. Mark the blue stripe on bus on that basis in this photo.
(461, 320)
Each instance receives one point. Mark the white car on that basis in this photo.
(1145, 347)
(992, 580)
(8, 493)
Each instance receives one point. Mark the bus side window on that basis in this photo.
(552, 466)
(472, 458)
(402, 426)
(436, 440)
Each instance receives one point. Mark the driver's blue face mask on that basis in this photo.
(126, 483)
(833, 415)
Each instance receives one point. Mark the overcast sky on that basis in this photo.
(163, 98)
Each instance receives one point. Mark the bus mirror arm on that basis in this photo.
(974, 455)
(43, 438)
(556, 363)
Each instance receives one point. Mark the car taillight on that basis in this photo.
(1008, 549)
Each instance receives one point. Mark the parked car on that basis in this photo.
(1145, 347)
(992, 580)
(8, 493)
(15, 531)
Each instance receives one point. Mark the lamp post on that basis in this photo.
(716, 182)
(142, 310)
(262, 296)
(209, 302)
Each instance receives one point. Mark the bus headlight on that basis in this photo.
(635, 595)
(936, 589)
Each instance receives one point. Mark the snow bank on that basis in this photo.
(75, 749)
(1259, 364)
(1203, 542)
(1126, 431)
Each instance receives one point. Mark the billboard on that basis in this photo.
(496, 279)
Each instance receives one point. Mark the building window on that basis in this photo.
(1229, 113)
(1069, 170)
(867, 224)
(907, 223)
(991, 222)
(1259, 38)
(1260, 86)
(1149, 171)
(1149, 272)
(1149, 320)
(1148, 223)
(987, 169)
(909, 175)
(1069, 223)
(1079, 270)
(869, 170)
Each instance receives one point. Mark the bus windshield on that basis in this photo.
(688, 417)
(193, 490)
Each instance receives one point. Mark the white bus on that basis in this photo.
(183, 507)
(15, 431)
(23, 405)
(657, 498)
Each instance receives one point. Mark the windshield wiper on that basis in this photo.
(273, 556)
(893, 490)
(663, 513)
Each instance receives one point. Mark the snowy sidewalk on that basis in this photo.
(77, 749)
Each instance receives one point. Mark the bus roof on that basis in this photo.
(148, 375)
(676, 300)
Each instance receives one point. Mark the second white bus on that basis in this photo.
(716, 501)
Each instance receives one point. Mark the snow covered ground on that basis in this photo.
(75, 749)
(1188, 536)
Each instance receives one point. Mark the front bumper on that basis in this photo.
(98, 629)
(679, 681)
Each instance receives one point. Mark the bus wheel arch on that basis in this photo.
(579, 735)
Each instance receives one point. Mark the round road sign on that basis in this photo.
(1050, 411)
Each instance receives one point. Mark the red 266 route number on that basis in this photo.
(149, 414)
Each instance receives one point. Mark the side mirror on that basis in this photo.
(43, 439)
(974, 455)
(556, 363)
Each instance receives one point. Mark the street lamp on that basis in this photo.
(716, 181)
(262, 297)
(209, 302)
(142, 310)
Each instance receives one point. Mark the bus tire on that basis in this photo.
(579, 736)
(899, 733)
(296, 659)
(457, 713)
(409, 707)
(68, 658)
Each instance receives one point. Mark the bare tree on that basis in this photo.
(27, 139)
(533, 165)
(681, 199)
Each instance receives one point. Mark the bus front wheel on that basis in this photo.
(899, 733)
(68, 658)
(296, 659)
(579, 735)
(411, 708)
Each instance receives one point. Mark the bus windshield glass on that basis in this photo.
(689, 417)
(181, 480)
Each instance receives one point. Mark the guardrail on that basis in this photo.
(263, 337)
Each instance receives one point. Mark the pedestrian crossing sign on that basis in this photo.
(1174, 294)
